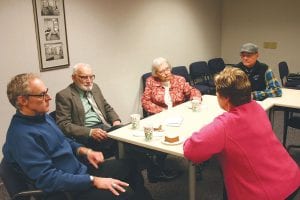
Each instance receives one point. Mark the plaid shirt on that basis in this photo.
(273, 87)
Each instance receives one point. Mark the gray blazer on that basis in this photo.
(70, 112)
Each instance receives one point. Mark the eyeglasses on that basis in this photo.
(85, 78)
(43, 95)
(168, 69)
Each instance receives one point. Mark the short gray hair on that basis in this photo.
(233, 83)
(157, 62)
(78, 65)
(19, 86)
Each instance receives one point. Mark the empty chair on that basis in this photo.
(181, 71)
(215, 65)
(199, 75)
(283, 72)
(291, 119)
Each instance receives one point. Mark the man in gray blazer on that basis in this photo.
(83, 114)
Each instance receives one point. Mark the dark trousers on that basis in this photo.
(122, 169)
(108, 147)
(152, 160)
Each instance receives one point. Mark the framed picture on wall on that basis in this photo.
(51, 34)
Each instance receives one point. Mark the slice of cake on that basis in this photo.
(171, 138)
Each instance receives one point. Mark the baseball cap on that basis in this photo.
(249, 48)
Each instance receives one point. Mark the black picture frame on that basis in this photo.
(51, 34)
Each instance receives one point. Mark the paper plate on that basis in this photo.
(181, 140)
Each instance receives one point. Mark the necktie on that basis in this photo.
(91, 100)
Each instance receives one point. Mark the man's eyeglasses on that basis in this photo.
(43, 95)
(85, 78)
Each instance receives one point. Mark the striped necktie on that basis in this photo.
(91, 100)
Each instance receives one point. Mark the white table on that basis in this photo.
(192, 121)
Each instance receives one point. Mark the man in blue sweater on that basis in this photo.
(36, 146)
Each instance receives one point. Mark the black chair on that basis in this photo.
(283, 72)
(199, 74)
(19, 188)
(16, 185)
(53, 114)
(291, 119)
(181, 71)
(288, 80)
(144, 79)
(215, 65)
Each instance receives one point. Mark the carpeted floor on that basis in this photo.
(210, 187)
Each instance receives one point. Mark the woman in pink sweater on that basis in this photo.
(255, 165)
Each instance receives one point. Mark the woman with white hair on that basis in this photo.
(164, 90)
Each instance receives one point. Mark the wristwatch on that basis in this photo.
(92, 179)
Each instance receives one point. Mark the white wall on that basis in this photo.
(260, 21)
(119, 38)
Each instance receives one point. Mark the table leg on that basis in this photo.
(121, 149)
(192, 181)
(271, 116)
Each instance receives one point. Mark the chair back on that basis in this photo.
(199, 72)
(215, 65)
(283, 72)
(53, 115)
(200, 76)
(13, 182)
(181, 71)
(144, 79)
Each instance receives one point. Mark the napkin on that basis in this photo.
(174, 121)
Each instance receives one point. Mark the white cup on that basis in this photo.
(195, 105)
(135, 121)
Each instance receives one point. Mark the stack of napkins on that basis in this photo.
(174, 121)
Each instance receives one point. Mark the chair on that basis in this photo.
(181, 71)
(199, 74)
(291, 119)
(215, 65)
(19, 187)
(15, 184)
(53, 114)
(283, 72)
(144, 79)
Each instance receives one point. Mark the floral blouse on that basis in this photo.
(180, 91)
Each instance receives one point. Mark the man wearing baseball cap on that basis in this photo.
(263, 81)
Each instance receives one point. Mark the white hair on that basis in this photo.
(157, 62)
(78, 65)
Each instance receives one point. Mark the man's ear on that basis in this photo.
(22, 100)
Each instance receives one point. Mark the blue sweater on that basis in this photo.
(45, 155)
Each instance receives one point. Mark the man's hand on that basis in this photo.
(98, 134)
(114, 185)
(115, 123)
(94, 157)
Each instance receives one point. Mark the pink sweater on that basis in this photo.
(255, 165)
